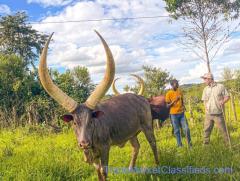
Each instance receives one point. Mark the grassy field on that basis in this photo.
(34, 153)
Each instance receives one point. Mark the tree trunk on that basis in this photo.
(205, 43)
(29, 113)
(30, 119)
(14, 116)
(206, 53)
(208, 65)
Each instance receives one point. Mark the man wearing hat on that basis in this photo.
(214, 97)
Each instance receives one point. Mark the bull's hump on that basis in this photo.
(123, 100)
(158, 100)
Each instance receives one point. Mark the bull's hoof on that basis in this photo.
(130, 168)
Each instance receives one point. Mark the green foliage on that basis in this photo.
(18, 37)
(227, 74)
(126, 88)
(23, 100)
(190, 8)
(75, 83)
(227, 78)
(193, 97)
(231, 79)
(237, 81)
(15, 81)
(155, 80)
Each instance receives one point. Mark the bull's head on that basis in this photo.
(140, 81)
(83, 115)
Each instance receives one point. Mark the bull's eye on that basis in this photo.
(74, 123)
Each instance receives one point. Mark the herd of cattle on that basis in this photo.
(100, 124)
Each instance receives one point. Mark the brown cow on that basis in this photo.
(98, 126)
(159, 108)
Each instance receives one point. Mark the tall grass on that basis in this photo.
(34, 153)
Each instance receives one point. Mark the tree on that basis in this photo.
(18, 37)
(126, 88)
(23, 100)
(205, 29)
(155, 80)
(237, 81)
(227, 74)
(17, 87)
(227, 77)
(75, 83)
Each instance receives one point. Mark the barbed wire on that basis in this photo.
(98, 20)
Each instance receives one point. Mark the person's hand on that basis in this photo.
(221, 103)
(177, 99)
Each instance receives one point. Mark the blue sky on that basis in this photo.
(134, 43)
(34, 10)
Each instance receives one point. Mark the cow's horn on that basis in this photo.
(115, 91)
(141, 82)
(67, 102)
(103, 87)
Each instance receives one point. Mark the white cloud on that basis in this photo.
(194, 74)
(4, 9)
(133, 42)
(47, 3)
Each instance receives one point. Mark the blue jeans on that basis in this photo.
(178, 120)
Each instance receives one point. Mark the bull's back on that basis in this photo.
(124, 116)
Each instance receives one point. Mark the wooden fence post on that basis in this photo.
(190, 109)
(229, 111)
(233, 106)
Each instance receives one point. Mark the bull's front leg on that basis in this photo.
(104, 161)
(97, 165)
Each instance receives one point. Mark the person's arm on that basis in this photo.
(226, 97)
(224, 100)
(170, 104)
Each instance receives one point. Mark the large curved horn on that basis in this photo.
(141, 82)
(63, 99)
(115, 91)
(103, 87)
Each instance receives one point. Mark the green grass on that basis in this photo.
(34, 153)
(40, 155)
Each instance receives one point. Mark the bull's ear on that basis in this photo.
(97, 114)
(67, 118)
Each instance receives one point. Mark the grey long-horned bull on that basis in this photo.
(158, 105)
(98, 125)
